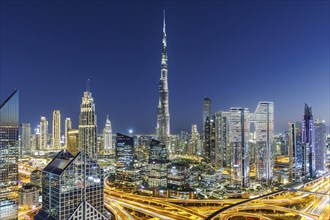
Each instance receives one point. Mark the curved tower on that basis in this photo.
(163, 115)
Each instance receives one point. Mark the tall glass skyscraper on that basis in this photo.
(124, 151)
(320, 142)
(209, 150)
(9, 157)
(295, 151)
(157, 165)
(72, 188)
(308, 142)
(264, 125)
(239, 129)
(25, 138)
(207, 110)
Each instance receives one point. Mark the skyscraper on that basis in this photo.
(88, 126)
(209, 140)
(72, 188)
(163, 114)
(157, 165)
(194, 141)
(43, 134)
(26, 138)
(239, 129)
(56, 132)
(207, 110)
(126, 175)
(124, 151)
(9, 157)
(107, 136)
(320, 142)
(221, 139)
(67, 127)
(295, 151)
(264, 124)
(308, 138)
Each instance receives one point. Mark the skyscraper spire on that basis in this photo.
(164, 24)
(163, 115)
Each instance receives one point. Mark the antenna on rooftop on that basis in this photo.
(88, 82)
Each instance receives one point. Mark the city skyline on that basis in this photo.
(138, 90)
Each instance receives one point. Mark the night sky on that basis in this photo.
(235, 52)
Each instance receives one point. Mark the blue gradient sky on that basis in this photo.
(235, 52)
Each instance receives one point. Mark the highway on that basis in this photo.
(313, 197)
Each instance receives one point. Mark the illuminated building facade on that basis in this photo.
(308, 139)
(72, 142)
(163, 114)
(177, 176)
(239, 129)
(295, 151)
(35, 140)
(194, 141)
(56, 132)
(207, 110)
(88, 126)
(320, 143)
(124, 151)
(67, 127)
(222, 153)
(263, 119)
(43, 134)
(157, 165)
(25, 138)
(107, 136)
(209, 140)
(9, 157)
(72, 188)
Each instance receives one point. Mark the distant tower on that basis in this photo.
(320, 142)
(56, 132)
(87, 125)
(124, 152)
(264, 124)
(195, 141)
(26, 138)
(9, 157)
(209, 140)
(308, 150)
(207, 110)
(107, 136)
(163, 114)
(157, 165)
(43, 134)
(67, 127)
(295, 151)
(221, 139)
(239, 130)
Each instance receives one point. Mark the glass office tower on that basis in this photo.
(9, 157)
(66, 194)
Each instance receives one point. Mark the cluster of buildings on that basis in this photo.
(72, 184)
